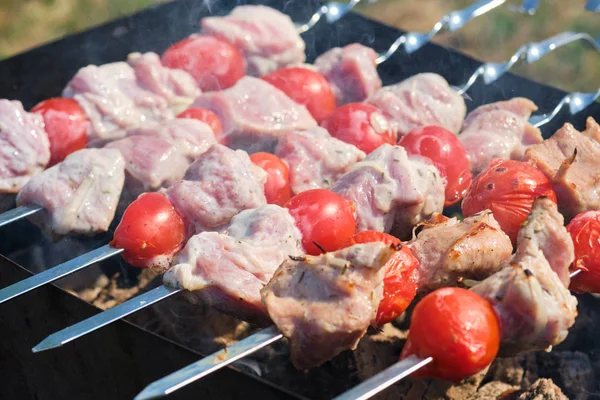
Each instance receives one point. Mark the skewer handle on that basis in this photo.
(18, 213)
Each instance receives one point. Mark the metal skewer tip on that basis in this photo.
(19, 213)
(104, 318)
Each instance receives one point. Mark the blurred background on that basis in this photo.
(28, 23)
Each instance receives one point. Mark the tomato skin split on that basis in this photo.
(585, 232)
(278, 189)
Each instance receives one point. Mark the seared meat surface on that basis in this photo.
(315, 158)
(267, 38)
(534, 307)
(449, 250)
(571, 160)
(228, 269)
(24, 143)
(324, 304)
(499, 130)
(79, 195)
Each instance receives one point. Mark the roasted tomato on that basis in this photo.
(585, 231)
(208, 117)
(306, 87)
(361, 125)
(456, 327)
(324, 218)
(150, 227)
(66, 126)
(214, 63)
(507, 188)
(399, 282)
(277, 189)
(446, 152)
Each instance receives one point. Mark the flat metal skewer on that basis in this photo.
(332, 11)
(106, 317)
(61, 270)
(19, 213)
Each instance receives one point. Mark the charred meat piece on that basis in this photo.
(449, 250)
(324, 304)
(217, 186)
(79, 195)
(267, 38)
(24, 143)
(351, 72)
(421, 100)
(534, 307)
(391, 190)
(255, 114)
(228, 269)
(499, 130)
(315, 158)
(571, 160)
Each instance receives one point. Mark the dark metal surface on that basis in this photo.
(120, 360)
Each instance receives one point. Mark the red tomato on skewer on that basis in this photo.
(447, 153)
(214, 63)
(362, 125)
(399, 282)
(324, 217)
(277, 189)
(458, 328)
(507, 188)
(66, 126)
(208, 117)
(306, 87)
(585, 231)
(150, 227)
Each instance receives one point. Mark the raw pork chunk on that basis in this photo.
(24, 146)
(351, 72)
(228, 269)
(392, 191)
(571, 160)
(255, 114)
(324, 304)
(267, 38)
(151, 163)
(79, 195)
(118, 95)
(450, 250)
(499, 130)
(221, 183)
(315, 158)
(534, 307)
(424, 99)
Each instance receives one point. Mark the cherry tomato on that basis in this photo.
(66, 126)
(447, 153)
(399, 282)
(456, 327)
(150, 227)
(324, 217)
(362, 125)
(306, 87)
(585, 231)
(213, 62)
(208, 117)
(277, 189)
(507, 188)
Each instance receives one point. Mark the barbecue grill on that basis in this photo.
(120, 360)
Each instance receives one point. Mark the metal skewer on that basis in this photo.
(451, 22)
(332, 11)
(19, 213)
(576, 101)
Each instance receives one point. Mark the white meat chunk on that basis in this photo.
(255, 114)
(24, 146)
(267, 38)
(499, 130)
(79, 194)
(221, 183)
(324, 304)
(534, 307)
(421, 100)
(351, 72)
(315, 158)
(228, 269)
(449, 250)
(392, 191)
